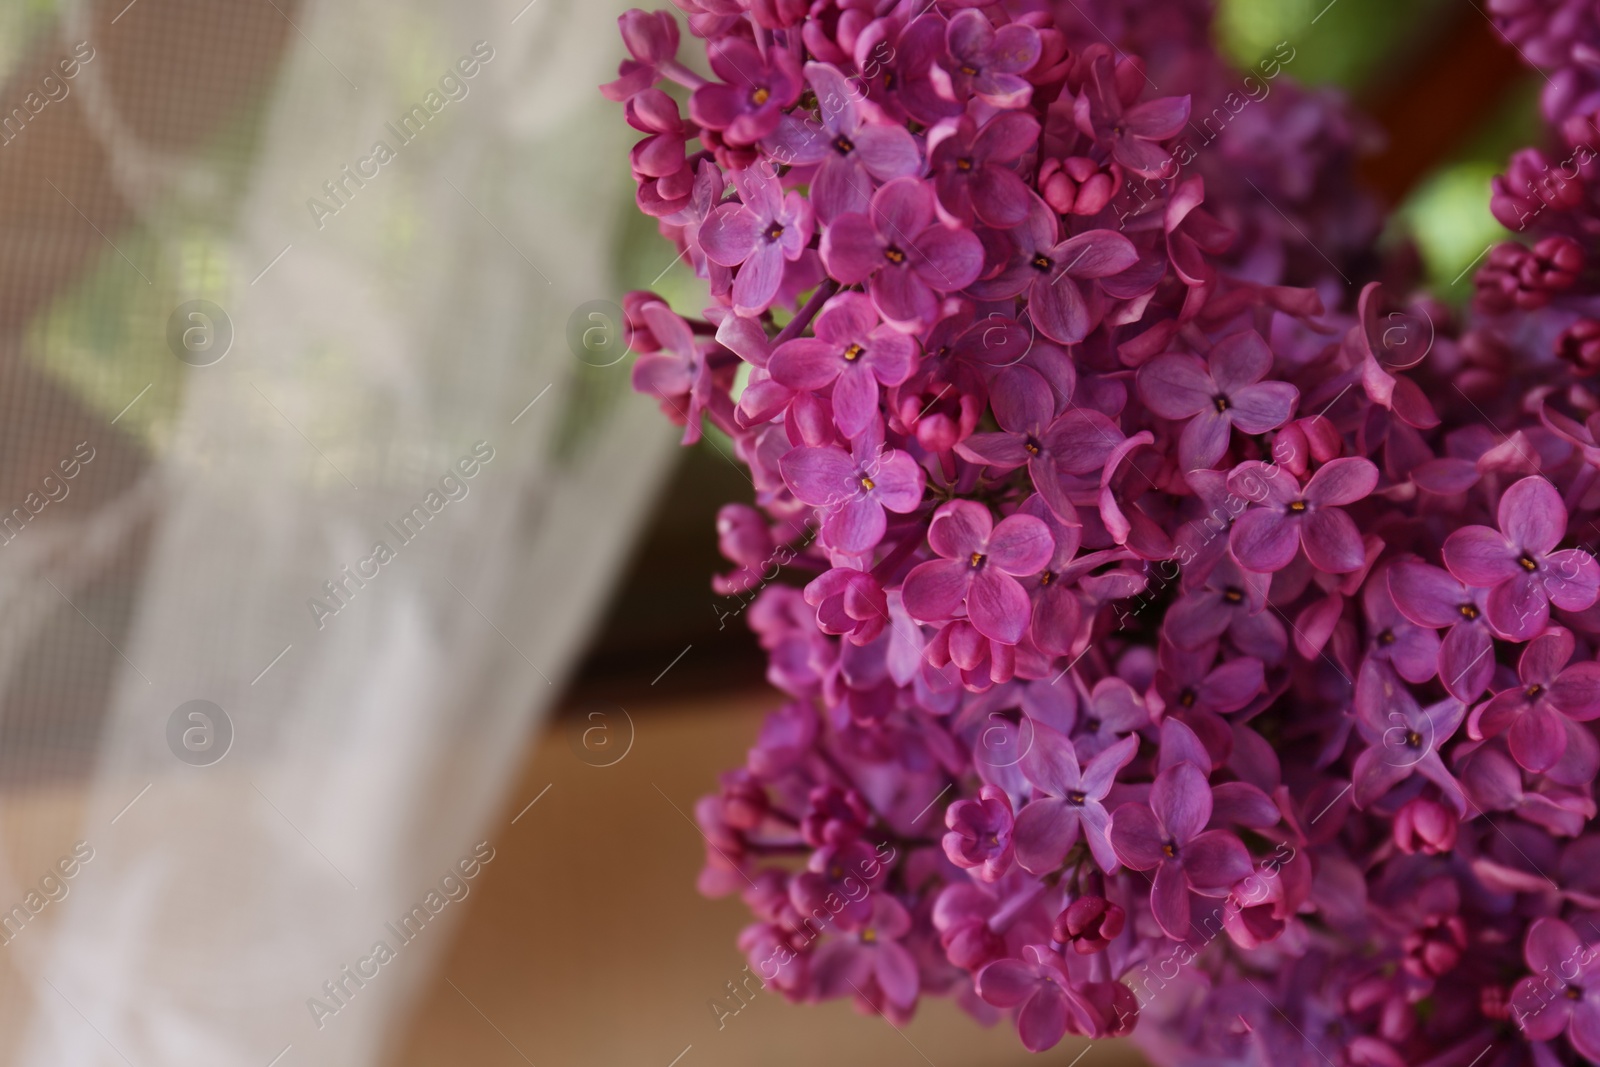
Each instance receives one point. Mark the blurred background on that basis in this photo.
(344, 583)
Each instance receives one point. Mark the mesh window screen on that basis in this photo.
(305, 501)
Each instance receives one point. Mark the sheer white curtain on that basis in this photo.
(380, 352)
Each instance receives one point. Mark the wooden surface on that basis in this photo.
(584, 941)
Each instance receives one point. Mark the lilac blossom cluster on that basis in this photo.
(1176, 644)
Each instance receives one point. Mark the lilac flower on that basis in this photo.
(1403, 738)
(1286, 516)
(1190, 684)
(659, 162)
(678, 374)
(854, 488)
(1227, 393)
(985, 62)
(970, 172)
(981, 833)
(872, 955)
(1493, 781)
(1107, 711)
(1537, 716)
(1047, 1001)
(652, 41)
(1134, 132)
(846, 873)
(1169, 836)
(1089, 924)
(849, 602)
(1412, 649)
(980, 563)
(1429, 596)
(851, 352)
(1016, 294)
(1519, 563)
(1056, 607)
(855, 155)
(897, 72)
(1078, 442)
(1563, 993)
(1067, 800)
(1048, 269)
(902, 254)
(758, 90)
(1232, 601)
(765, 230)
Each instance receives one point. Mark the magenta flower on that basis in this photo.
(1089, 924)
(1429, 596)
(1135, 132)
(758, 235)
(758, 90)
(985, 62)
(1110, 710)
(1227, 393)
(871, 956)
(840, 880)
(1049, 269)
(1056, 606)
(1188, 682)
(981, 322)
(1537, 715)
(1563, 993)
(1078, 442)
(1285, 516)
(1403, 738)
(678, 374)
(855, 155)
(854, 488)
(652, 40)
(897, 73)
(1047, 1001)
(971, 173)
(660, 156)
(980, 833)
(1168, 835)
(851, 352)
(1519, 564)
(1232, 601)
(1067, 800)
(849, 602)
(902, 254)
(981, 561)
(1412, 649)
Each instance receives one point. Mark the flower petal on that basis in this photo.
(1538, 738)
(821, 477)
(1045, 830)
(1263, 407)
(998, 606)
(1007, 983)
(1169, 900)
(1216, 860)
(1480, 556)
(1532, 515)
(959, 529)
(1020, 545)
(1181, 799)
(1332, 541)
(1176, 385)
(1342, 481)
(1043, 1019)
(1137, 837)
(1264, 540)
(935, 590)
